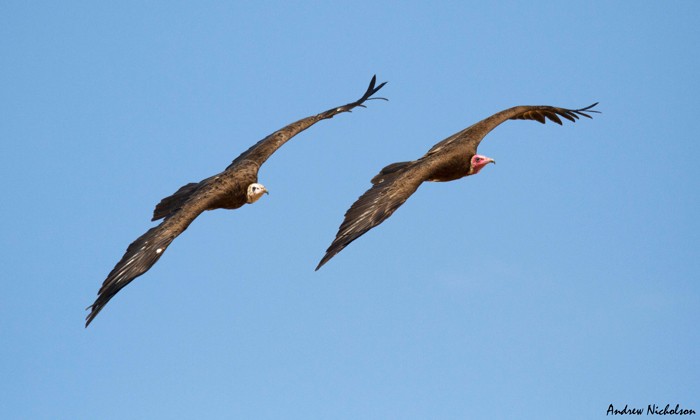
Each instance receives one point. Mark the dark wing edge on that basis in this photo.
(375, 206)
(542, 113)
(263, 149)
(140, 256)
(475, 133)
(371, 90)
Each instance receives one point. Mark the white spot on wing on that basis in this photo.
(159, 250)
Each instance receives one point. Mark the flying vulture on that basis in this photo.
(453, 158)
(230, 189)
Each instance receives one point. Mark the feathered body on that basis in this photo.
(451, 159)
(235, 186)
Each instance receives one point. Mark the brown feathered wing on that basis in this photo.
(392, 187)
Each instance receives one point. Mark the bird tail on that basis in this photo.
(139, 258)
(389, 170)
(169, 205)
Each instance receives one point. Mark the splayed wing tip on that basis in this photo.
(584, 111)
(372, 89)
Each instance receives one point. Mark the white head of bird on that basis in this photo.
(255, 191)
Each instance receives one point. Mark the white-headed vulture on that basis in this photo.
(230, 189)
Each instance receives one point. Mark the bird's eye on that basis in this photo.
(478, 159)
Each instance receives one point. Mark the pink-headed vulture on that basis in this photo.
(451, 159)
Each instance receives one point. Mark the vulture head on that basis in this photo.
(478, 162)
(255, 191)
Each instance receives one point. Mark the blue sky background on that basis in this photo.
(551, 285)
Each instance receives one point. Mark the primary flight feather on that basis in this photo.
(453, 158)
(235, 186)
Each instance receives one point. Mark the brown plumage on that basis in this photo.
(230, 189)
(453, 158)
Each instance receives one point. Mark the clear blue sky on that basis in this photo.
(551, 285)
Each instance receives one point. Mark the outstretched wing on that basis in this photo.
(144, 252)
(263, 149)
(472, 136)
(139, 258)
(390, 190)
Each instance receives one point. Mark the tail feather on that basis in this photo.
(388, 170)
(171, 204)
(139, 258)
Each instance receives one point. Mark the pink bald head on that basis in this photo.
(478, 162)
